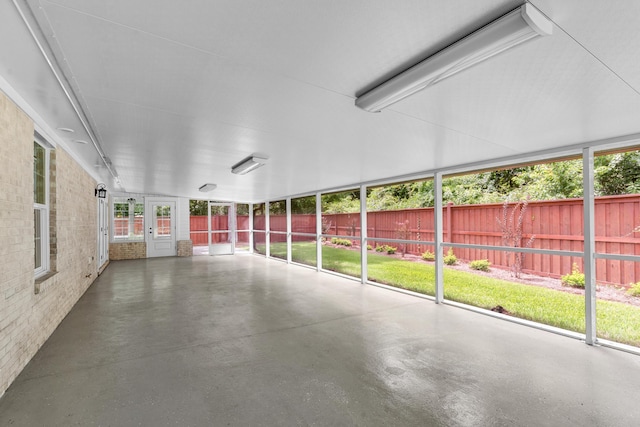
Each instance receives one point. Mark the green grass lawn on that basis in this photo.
(615, 321)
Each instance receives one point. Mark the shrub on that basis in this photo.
(634, 290)
(480, 264)
(369, 247)
(341, 242)
(428, 256)
(450, 258)
(386, 248)
(575, 279)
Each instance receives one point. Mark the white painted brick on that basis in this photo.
(27, 319)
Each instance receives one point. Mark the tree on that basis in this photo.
(304, 205)
(511, 225)
(198, 207)
(617, 174)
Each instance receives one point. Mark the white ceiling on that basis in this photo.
(177, 92)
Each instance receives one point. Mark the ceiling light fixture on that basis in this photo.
(512, 29)
(207, 187)
(248, 164)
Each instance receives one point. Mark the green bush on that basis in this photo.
(386, 248)
(428, 256)
(575, 279)
(634, 290)
(480, 264)
(450, 258)
(341, 242)
(369, 247)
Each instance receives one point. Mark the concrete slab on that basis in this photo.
(241, 340)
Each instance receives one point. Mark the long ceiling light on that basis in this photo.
(248, 164)
(512, 29)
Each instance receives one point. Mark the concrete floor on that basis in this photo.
(243, 341)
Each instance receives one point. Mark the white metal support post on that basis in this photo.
(318, 231)
(439, 253)
(589, 246)
(363, 233)
(233, 228)
(209, 224)
(250, 228)
(288, 202)
(267, 226)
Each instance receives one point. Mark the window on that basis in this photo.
(303, 230)
(341, 232)
(128, 219)
(41, 208)
(278, 229)
(259, 223)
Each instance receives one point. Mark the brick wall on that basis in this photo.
(185, 248)
(127, 250)
(30, 311)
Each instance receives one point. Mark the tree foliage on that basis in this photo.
(615, 174)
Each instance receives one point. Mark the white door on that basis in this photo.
(103, 232)
(161, 228)
(221, 228)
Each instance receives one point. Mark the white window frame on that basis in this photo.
(43, 209)
(131, 223)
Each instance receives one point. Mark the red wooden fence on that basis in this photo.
(555, 225)
(199, 229)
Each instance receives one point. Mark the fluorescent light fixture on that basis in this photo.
(512, 29)
(248, 164)
(207, 187)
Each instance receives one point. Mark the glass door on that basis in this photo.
(221, 228)
(103, 232)
(161, 236)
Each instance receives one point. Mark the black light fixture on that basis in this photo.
(101, 191)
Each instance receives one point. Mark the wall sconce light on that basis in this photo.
(101, 191)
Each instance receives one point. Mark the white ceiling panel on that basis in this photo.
(545, 93)
(607, 30)
(177, 92)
